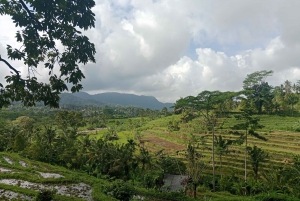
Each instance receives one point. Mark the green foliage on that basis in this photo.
(119, 190)
(249, 124)
(151, 194)
(25, 123)
(195, 166)
(206, 101)
(257, 156)
(119, 159)
(170, 165)
(138, 135)
(111, 133)
(144, 157)
(19, 142)
(273, 196)
(226, 183)
(41, 28)
(44, 195)
(164, 111)
(69, 122)
(153, 179)
(173, 125)
(257, 90)
(222, 146)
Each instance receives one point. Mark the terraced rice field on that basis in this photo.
(281, 145)
(22, 179)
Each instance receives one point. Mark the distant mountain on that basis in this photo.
(113, 98)
(71, 99)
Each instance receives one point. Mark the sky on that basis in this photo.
(176, 48)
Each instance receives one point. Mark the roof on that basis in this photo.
(173, 183)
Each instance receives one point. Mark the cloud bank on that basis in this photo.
(171, 49)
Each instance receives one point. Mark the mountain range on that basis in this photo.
(112, 99)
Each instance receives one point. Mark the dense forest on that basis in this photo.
(220, 142)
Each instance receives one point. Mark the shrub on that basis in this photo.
(91, 128)
(171, 165)
(119, 190)
(44, 195)
(101, 125)
(275, 197)
(153, 179)
(297, 129)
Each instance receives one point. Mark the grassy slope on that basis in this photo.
(281, 145)
(30, 173)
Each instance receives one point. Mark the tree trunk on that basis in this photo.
(246, 157)
(195, 191)
(256, 176)
(221, 165)
(213, 156)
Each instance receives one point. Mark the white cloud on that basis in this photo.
(172, 49)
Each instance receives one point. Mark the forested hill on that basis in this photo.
(112, 98)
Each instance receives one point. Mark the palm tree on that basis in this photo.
(222, 147)
(249, 126)
(257, 156)
(195, 167)
(144, 157)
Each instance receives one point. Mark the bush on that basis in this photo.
(101, 125)
(91, 128)
(171, 165)
(44, 195)
(297, 129)
(275, 197)
(157, 195)
(119, 190)
(153, 179)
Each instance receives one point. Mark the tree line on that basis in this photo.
(264, 98)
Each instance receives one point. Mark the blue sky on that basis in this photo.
(174, 48)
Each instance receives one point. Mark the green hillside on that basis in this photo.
(22, 179)
(157, 145)
(282, 143)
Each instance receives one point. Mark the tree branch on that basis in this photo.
(30, 14)
(12, 68)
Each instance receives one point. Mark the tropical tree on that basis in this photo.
(173, 125)
(169, 164)
(124, 161)
(286, 96)
(187, 115)
(205, 103)
(26, 126)
(226, 103)
(111, 133)
(222, 146)
(290, 97)
(20, 142)
(42, 27)
(43, 147)
(144, 157)
(164, 111)
(195, 167)
(257, 89)
(183, 104)
(249, 124)
(278, 98)
(291, 100)
(69, 122)
(257, 156)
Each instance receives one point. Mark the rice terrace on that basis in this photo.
(149, 100)
(223, 146)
